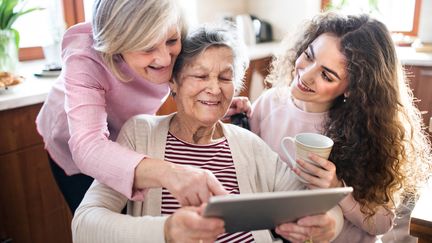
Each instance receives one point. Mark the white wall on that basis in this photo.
(214, 10)
(425, 26)
(285, 16)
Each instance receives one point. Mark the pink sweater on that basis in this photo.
(86, 108)
(275, 116)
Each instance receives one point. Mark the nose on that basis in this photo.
(162, 56)
(213, 86)
(308, 74)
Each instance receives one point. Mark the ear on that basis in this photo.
(173, 85)
(346, 94)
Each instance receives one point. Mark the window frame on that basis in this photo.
(414, 29)
(73, 13)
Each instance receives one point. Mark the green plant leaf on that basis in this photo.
(17, 37)
(8, 12)
(16, 15)
(3, 4)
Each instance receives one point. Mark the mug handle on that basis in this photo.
(291, 139)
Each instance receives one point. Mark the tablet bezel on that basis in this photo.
(266, 210)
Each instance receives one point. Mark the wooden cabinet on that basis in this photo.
(421, 83)
(32, 208)
(261, 66)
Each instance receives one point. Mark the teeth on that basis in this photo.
(210, 102)
(304, 86)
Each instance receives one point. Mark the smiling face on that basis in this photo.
(205, 88)
(320, 74)
(156, 63)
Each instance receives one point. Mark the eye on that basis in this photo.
(308, 57)
(326, 77)
(226, 78)
(201, 77)
(172, 41)
(148, 51)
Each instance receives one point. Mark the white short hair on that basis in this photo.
(131, 25)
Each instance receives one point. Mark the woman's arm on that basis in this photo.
(322, 227)
(189, 185)
(98, 219)
(325, 177)
(378, 224)
(91, 149)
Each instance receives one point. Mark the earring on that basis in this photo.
(344, 99)
(173, 94)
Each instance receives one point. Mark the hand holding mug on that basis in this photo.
(321, 176)
(310, 163)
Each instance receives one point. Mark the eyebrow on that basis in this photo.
(199, 67)
(324, 67)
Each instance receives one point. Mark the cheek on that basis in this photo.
(175, 50)
(228, 93)
(333, 90)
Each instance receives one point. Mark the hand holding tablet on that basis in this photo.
(256, 211)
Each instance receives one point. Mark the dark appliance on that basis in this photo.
(263, 30)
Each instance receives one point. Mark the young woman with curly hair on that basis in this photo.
(342, 78)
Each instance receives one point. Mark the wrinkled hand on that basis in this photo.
(318, 228)
(239, 104)
(191, 186)
(318, 177)
(187, 225)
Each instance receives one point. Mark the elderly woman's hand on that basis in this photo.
(317, 228)
(322, 176)
(189, 185)
(187, 225)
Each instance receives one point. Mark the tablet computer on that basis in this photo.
(256, 211)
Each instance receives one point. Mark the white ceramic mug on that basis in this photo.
(306, 143)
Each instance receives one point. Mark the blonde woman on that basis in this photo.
(115, 67)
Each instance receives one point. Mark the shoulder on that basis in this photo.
(272, 99)
(78, 40)
(146, 122)
(243, 137)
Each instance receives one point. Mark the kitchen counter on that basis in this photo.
(34, 90)
(408, 56)
(31, 91)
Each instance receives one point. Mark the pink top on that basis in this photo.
(275, 116)
(86, 108)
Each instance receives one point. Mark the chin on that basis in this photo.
(160, 80)
(208, 122)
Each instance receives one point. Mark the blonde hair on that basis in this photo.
(132, 25)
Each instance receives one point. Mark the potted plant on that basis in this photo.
(10, 11)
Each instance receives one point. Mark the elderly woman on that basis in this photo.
(207, 72)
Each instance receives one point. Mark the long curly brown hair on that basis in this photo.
(380, 147)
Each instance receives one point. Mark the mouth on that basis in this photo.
(209, 103)
(302, 86)
(159, 68)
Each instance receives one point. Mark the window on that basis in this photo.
(50, 22)
(400, 16)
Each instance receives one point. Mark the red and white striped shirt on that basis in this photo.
(216, 158)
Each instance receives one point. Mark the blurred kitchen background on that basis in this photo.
(259, 21)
